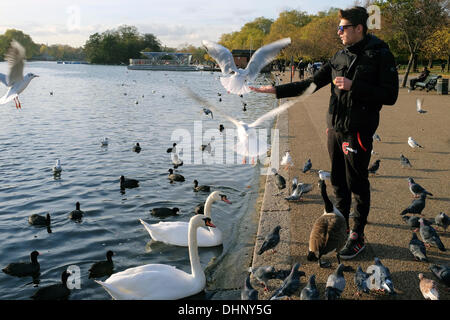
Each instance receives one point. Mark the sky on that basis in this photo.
(175, 22)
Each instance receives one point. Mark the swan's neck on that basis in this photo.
(208, 206)
(196, 268)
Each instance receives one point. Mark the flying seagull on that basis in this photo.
(15, 80)
(235, 80)
(247, 145)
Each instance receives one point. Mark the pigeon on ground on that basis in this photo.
(248, 292)
(263, 274)
(294, 184)
(361, 281)
(287, 160)
(416, 189)
(441, 272)
(374, 167)
(442, 220)
(380, 278)
(235, 80)
(270, 241)
(428, 288)
(300, 190)
(307, 166)
(419, 105)
(15, 81)
(376, 137)
(290, 285)
(279, 180)
(417, 248)
(324, 175)
(429, 235)
(335, 284)
(413, 143)
(413, 222)
(416, 206)
(404, 161)
(310, 291)
(207, 111)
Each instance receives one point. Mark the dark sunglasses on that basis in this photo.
(342, 28)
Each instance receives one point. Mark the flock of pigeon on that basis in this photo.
(328, 234)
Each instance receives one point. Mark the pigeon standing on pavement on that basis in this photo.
(270, 241)
(430, 236)
(441, 272)
(335, 284)
(405, 161)
(279, 180)
(428, 288)
(413, 222)
(302, 188)
(442, 220)
(310, 291)
(361, 281)
(374, 167)
(263, 274)
(307, 166)
(416, 189)
(413, 143)
(380, 277)
(248, 292)
(290, 285)
(417, 248)
(416, 206)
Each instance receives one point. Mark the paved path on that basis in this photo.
(302, 131)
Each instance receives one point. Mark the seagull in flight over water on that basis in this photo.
(15, 80)
(247, 136)
(234, 79)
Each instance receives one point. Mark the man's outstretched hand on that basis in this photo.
(264, 89)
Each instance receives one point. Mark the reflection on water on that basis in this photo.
(65, 114)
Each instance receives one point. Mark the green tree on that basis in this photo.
(414, 21)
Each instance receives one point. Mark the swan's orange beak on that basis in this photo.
(226, 200)
(210, 224)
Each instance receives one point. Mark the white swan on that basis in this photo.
(176, 232)
(161, 281)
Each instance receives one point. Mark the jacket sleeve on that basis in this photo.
(385, 92)
(321, 78)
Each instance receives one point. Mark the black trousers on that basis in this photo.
(350, 156)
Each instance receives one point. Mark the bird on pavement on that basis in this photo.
(310, 291)
(307, 166)
(416, 206)
(428, 288)
(413, 143)
(404, 161)
(335, 284)
(430, 236)
(270, 241)
(416, 189)
(290, 285)
(374, 167)
(442, 220)
(417, 248)
(248, 292)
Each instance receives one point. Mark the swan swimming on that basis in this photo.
(176, 232)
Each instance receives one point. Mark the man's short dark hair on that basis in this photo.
(356, 15)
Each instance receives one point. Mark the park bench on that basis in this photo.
(429, 83)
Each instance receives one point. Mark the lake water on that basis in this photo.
(89, 103)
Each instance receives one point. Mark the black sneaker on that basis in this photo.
(354, 245)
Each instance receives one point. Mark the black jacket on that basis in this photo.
(371, 67)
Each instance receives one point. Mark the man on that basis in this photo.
(363, 78)
(420, 78)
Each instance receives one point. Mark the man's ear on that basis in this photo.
(359, 28)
